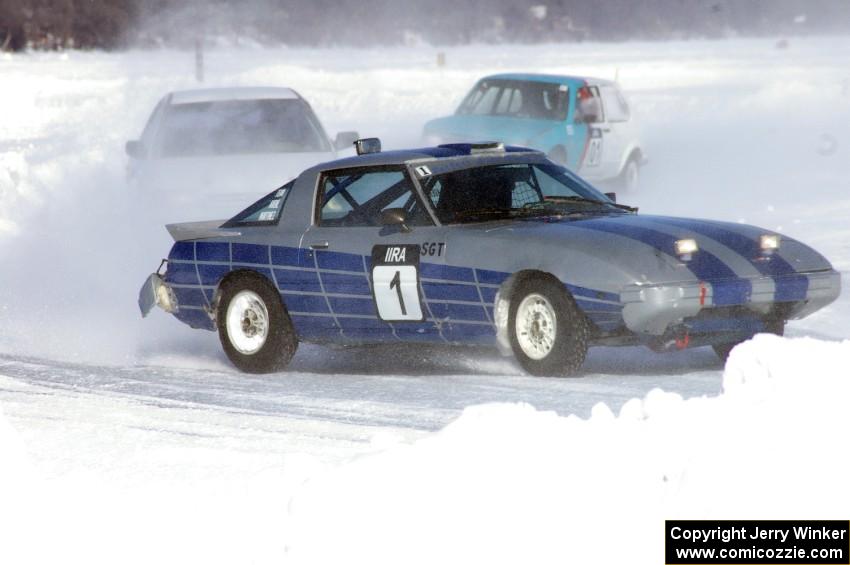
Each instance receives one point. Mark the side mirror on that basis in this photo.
(135, 149)
(395, 217)
(612, 196)
(345, 139)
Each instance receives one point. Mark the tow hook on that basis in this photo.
(674, 338)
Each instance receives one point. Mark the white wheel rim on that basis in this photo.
(536, 326)
(247, 322)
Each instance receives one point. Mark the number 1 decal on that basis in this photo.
(395, 283)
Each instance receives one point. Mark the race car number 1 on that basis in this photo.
(395, 282)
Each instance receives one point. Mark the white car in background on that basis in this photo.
(210, 151)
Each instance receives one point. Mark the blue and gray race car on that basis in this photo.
(476, 244)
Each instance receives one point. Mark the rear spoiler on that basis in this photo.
(199, 230)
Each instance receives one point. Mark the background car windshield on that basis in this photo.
(239, 127)
(518, 99)
(495, 192)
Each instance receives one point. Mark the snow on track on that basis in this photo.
(336, 411)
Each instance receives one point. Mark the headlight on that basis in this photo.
(769, 243)
(685, 248)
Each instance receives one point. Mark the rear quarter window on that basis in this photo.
(264, 212)
(616, 107)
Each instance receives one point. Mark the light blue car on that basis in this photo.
(580, 122)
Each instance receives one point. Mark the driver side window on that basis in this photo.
(357, 197)
(588, 106)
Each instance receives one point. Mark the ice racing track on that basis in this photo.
(116, 431)
(349, 390)
(73, 349)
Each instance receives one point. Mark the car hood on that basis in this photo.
(644, 246)
(514, 131)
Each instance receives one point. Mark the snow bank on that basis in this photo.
(506, 483)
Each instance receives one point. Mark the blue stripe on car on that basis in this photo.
(212, 251)
(211, 274)
(452, 311)
(491, 277)
(488, 294)
(335, 283)
(361, 306)
(790, 286)
(339, 261)
(306, 303)
(446, 272)
(297, 280)
(182, 251)
(190, 296)
(449, 291)
(291, 256)
(703, 265)
(456, 295)
(250, 253)
(315, 326)
(181, 273)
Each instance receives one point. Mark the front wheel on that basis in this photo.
(548, 332)
(253, 326)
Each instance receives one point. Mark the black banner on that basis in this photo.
(763, 542)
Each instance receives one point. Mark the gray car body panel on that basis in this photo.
(620, 268)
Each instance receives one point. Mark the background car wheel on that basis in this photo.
(548, 332)
(630, 176)
(558, 155)
(253, 326)
(722, 350)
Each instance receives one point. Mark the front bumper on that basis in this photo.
(651, 309)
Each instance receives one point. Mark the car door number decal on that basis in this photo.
(395, 283)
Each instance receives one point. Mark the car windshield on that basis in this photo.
(517, 99)
(512, 191)
(239, 127)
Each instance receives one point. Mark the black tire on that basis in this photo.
(558, 155)
(723, 350)
(261, 351)
(568, 350)
(629, 179)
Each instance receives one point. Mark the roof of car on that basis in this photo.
(237, 93)
(557, 79)
(402, 156)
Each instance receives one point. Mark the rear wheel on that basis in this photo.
(548, 332)
(723, 350)
(253, 326)
(630, 175)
